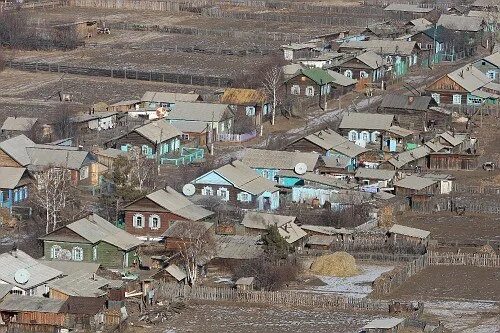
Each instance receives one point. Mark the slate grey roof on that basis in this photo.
(326, 230)
(408, 231)
(258, 220)
(38, 273)
(369, 121)
(469, 77)
(328, 139)
(186, 126)
(176, 272)
(43, 156)
(16, 148)
(371, 59)
(399, 131)
(398, 101)
(367, 173)
(71, 267)
(82, 118)
(205, 112)
(408, 156)
(125, 103)
(486, 3)
(414, 182)
(19, 303)
(402, 7)
(382, 46)
(187, 230)
(10, 177)
(178, 204)
(420, 24)
(341, 80)
(158, 131)
(323, 240)
(5, 289)
(280, 160)
(384, 323)
(168, 97)
(493, 59)
(81, 284)
(461, 23)
(18, 124)
(112, 152)
(238, 247)
(311, 177)
(349, 149)
(453, 140)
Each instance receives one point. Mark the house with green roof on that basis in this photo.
(311, 83)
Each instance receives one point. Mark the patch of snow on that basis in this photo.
(224, 280)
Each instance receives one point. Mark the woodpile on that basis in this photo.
(162, 313)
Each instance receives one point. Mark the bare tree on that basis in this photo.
(142, 168)
(272, 83)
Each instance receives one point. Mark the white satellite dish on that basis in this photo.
(21, 276)
(188, 190)
(300, 168)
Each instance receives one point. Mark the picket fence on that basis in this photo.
(172, 291)
(236, 137)
(463, 259)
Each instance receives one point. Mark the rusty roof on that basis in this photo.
(237, 96)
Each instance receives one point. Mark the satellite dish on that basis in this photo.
(21, 276)
(188, 190)
(300, 168)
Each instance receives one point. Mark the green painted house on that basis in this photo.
(91, 239)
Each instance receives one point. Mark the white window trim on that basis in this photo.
(134, 221)
(244, 197)
(436, 97)
(295, 90)
(74, 252)
(309, 91)
(220, 191)
(53, 253)
(84, 172)
(348, 73)
(151, 222)
(207, 190)
(457, 99)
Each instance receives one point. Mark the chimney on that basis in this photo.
(410, 99)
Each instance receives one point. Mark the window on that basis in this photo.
(54, 251)
(365, 136)
(457, 99)
(185, 136)
(154, 222)
(138, 221)
(146, 150)
(310, 91)
(207, 190)
(436, 97)
(491, 74)
(244, 197)
(77, 253)
(16, 195)
(295, 89)
(348, 73)
(223, 193)
(84, 173)
(353, 135)
(94, 253)
(250, 110)
(363, 74)
(222, 127)
(475, 100)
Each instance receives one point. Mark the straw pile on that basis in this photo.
(340, 264)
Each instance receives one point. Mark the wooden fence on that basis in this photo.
(236, 137)
(5, 6)
(170, 291)
(463, 259)
(123, 73)
(461, 188)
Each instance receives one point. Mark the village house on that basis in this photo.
(24, 275)
(416, 11)
(310, 83)
(217, 118)
(339, 150)
(381, 30)
(257, 223)
(14, 126)
(239, 185)
(420, 113)
(402, 234)
(92, 239)
(233, 249)
(245, 283)
(251, 103)
(124, 106)
(341, 84)
(491, 20)
(194, 134)
(366, 67)
(374, 180)
(339, 234)
(108, 156)
(468, 32)
(491, 5)
(435, 40)
(81, 30)
(398, 55)
(98, 121)
(413, 159)
(15, 186)
(490, 66)
(321, 60)
(152, 100)
(150, 216)
(290, 70)
(445, 181)
(293, 51)
(155, 139)
(413, 184)
(181, 234)
(417, 25)
(271, 164)
(365, 128)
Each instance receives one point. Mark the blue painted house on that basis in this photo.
(273, 165)
(14, 186)
(238, 184)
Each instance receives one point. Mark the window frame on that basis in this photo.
(53, 253)
(295, 89)
(135, 218)
(77, 253)
(309, 91)
(151, 222)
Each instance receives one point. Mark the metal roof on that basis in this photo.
(158, 131)
(461, 23)
(19, 303)
(367, 173)
(408, 231)
(205, 112)
(168, 97)
(402, 7)
(176, 272)
(239, 96)
(262, 221)
(10, 177)
(382, 46)
(408, 156)
(280, 160)
(186, 126)
(318, 75)
(371, 121)
(371, 59)
(238, 247)
(384, 323)
(13, 261)
(469, 77)
(16, 148)
(414, 182)
(80, 284)
(398, 101)
(18, 124)
(340, 79)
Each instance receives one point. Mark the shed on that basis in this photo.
(416, 185)
(320, 242)
(178, 274)
(245, 283)
(17, 125)
(409, 234)
(384, 325)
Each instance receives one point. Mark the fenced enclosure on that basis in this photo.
(188, 155)
(236, 137)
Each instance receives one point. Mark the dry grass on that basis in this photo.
(339, 264)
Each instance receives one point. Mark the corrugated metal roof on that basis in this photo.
(382, 46)
(19, 303)
(367, 173)
(205, 112)
(414, 182)
(403, 7)
(408, 231)
(384, 323)
(280, 160)
(238, 247)
(16, 148)
(18, 124)
(178, 204)
(239, 96)
(158, 131)
(398, 101)
(246, 179)
(461, 23)
(168, 97)
(469, 77)
(13, 261)
(10, 177)
(371, 121)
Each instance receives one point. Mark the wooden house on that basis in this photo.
(378, 178)
(15, 186)
(366, 67)
(95, 121)
(239, 185)
(490, 66)
(150, 216)
(234, 249)
(417, 25)
(384, 325)
(251, 103)
(365, 128)
(175, 274)
(320, 242)
(124, 106)
(14, 126)
(155, 139)
(92, 239)
(195, 134)
(415, 11)
(269, 163)
(107, 157)
(341, 84)
(293, 51)
(469, 29)
(310, 83)
(181, 234)
(216, 118)
(420, 113)
(414, 159)
(402, 234)
(411, 185)
(245, 283)
(152, 100)
(381, 30)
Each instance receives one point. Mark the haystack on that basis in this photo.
(340, 264)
